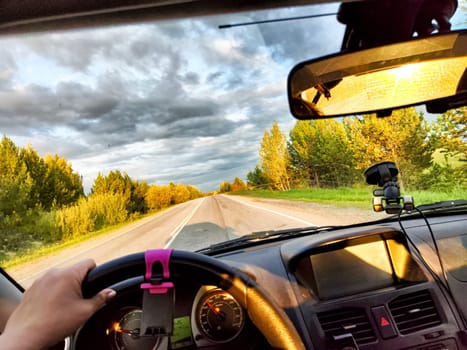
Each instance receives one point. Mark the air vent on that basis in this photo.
(348, 320)
(415, 311)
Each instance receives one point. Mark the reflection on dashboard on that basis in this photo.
(356, 266)
(352, 269)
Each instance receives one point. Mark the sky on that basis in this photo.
(179, 101)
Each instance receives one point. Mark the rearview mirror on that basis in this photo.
(380, 79)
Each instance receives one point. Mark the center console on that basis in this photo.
(365, 290)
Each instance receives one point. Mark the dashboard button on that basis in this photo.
(384, 322)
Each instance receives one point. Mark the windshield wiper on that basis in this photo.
(443, 205)
(264, 235)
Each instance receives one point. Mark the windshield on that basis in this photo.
(178, 134)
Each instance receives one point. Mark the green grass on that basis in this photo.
(427, 197)
(349, 197)
(358, 197)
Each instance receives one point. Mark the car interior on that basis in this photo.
(399, 282)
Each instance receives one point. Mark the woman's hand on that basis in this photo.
(52, 309)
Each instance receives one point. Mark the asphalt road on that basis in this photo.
(191, 226)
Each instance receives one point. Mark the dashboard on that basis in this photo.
(203, 317)
(363, 287)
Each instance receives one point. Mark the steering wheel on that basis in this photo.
(269, 318)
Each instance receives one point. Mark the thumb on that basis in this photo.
(102, 298)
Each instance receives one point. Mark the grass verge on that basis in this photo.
(349, 197)
(42, 249)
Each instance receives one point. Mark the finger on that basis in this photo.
(101, 298)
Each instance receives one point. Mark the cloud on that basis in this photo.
(177, 101)
(7, 68)
(312, 37)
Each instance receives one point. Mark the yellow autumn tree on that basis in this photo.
(274, 158)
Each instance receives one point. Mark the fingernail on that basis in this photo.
(110, 294)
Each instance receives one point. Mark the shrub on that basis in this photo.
(90, 214)
(158, 197)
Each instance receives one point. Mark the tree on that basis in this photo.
(50, 181)
(15, 181)
(113, 182)
(15, 189)
(257, 179)
(225, 187)
(450, 132)
(137, 197)
(448, 136)
(131, 191)
(37, 170)
(320, 152)
(180, 194)
(274, 158)
(158, 197)
(62, 186)
(401, 138)
(238, 185)
(194, 192)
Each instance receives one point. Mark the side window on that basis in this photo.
(10, 296)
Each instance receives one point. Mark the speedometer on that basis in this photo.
(124, 334)
(219, 316)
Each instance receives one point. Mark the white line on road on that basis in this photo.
(179, 228)
(271, 211)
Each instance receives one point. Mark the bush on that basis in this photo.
(107, 209)
(158, 197)
(180, 194)
(90, 214)
(42, 226)
(74, 220)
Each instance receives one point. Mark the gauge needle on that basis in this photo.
(125, 331)
(116, 328)
(213, 308)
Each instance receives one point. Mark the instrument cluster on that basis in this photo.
(206, 317)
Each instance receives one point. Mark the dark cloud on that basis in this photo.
(191, 78)
(194, 109)
(87, 103)
(195, 127)
(212, 77)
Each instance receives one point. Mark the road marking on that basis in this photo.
(271, 211)
(81, 252)
(180, 227)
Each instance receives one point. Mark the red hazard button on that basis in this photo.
(384, 322)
